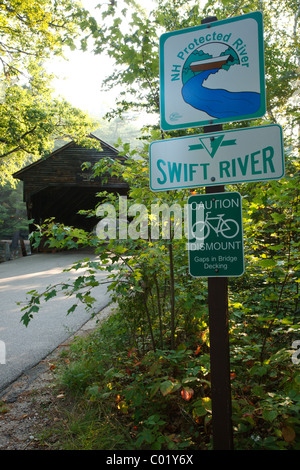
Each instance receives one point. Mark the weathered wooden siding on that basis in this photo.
(57, 187)
(65, 168)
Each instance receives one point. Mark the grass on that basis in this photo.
(3, 408)
(120, 396)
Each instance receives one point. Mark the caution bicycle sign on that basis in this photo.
(215, 238)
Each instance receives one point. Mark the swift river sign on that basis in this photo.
(213, 73)
(215, 235)
(226, 157)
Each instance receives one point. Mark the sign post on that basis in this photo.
(209, 75)
(219, 342)
(219, 348)
(220, 363)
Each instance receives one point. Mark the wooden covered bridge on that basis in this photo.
(56, 186)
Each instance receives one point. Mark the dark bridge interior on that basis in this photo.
(57, 187)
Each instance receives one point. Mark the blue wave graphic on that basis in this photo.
(219, 103)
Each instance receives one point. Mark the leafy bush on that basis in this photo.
(150, 362)
(161, 399)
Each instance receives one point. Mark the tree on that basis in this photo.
(131, 37)
(163, 308)
(31, 31)
(31, 119)
(39, 28)
(135, 49)
(12, 212)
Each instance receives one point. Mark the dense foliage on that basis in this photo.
(148, 366)
(13, 217)
(30, 118)
(151, 361)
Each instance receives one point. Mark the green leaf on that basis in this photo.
(269, 415)
(78, 282)
(267, 263)
(258, 370)
(166, 387)
(51, 294)
(71, 309)
(199, 411)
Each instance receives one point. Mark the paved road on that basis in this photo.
(26, 346)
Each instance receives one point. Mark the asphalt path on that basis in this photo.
(26, 346)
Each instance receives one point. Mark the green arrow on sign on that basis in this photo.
(212, 144)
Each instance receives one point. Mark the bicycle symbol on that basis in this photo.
(228, 228)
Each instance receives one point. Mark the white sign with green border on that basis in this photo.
(213, 73)
(225, 157)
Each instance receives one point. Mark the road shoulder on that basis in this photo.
(24, 403)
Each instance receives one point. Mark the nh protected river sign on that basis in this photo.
(225, 157)
(215, 235)
(213, 73)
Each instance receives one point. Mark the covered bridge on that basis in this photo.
(56, 186)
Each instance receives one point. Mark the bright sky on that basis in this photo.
(79, 79)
